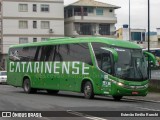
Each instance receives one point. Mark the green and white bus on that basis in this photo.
(93, 66)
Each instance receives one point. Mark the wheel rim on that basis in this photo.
(87, 90)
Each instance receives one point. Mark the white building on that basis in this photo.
(137, 35)
(24, 21)
(89, 17)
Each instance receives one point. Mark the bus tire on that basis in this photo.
(117, 98)
(88, 90)
(52, 91)
(27, 87)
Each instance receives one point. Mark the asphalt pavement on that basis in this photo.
(151, 97)
(14, 99)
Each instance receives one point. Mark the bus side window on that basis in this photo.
(106, 63)
(37, 55)
(49, 53)
(45, 53)
(104, 60)
(31, 53)
(13, 54)
(73, 52)
(58, 53)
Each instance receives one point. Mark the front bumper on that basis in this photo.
(123, 91)
(3, 80)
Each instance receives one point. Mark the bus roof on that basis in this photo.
(67, 40)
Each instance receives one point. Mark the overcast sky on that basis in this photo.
(139, 12)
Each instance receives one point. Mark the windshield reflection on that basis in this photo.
(131, 65)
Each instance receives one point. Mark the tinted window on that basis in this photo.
(45, 53)
(22, 54)
(73, 52)
(97, 46)
(104, 60)
(67, 52)
(103, 57)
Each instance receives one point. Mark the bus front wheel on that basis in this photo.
(88, 90)
(117, 98)
(27, 87)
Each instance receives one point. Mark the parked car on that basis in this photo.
(3, 77)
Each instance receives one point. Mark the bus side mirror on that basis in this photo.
(150, 57)
(113, 52)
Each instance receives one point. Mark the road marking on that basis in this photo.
(85, 115)
(95, 118)
(148, 109)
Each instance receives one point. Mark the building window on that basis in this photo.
(110, 10)
(86, 29)
(136, 36)
(44, 8)
(104, 29)
(23, 24)
(34, 8)
(34, 39)
(99, 11)
(90, 10)
(45, 25)
(23, 40)
(23, 7)
(44, 39)
(34, 24)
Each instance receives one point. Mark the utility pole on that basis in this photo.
(129, 20)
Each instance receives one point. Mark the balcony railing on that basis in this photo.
(95, 33)
(81, 13)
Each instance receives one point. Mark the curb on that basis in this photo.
(155, 101)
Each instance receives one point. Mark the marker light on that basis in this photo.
(120, 84)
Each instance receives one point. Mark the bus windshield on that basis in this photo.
(131, 65)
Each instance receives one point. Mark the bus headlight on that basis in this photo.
(146, 85)
(120, 84)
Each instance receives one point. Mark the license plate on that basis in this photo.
(134, 93)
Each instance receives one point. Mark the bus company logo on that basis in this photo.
(6, 114)
(73, 68)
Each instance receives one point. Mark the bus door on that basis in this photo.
(105, 63)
